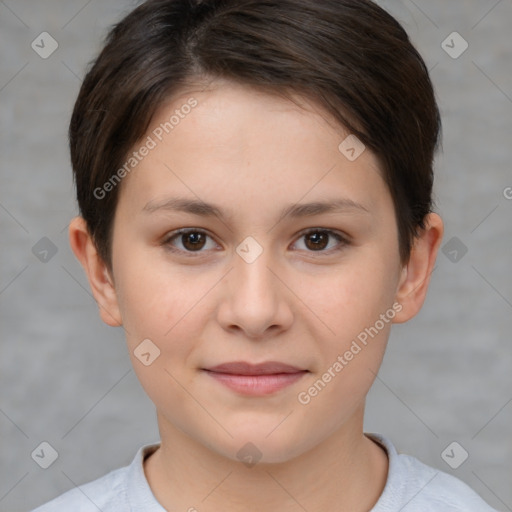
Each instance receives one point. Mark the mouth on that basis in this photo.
(260, 379)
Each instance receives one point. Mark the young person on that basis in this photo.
(254, 180)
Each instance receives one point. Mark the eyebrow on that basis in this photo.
(298, 210)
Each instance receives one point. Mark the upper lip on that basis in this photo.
(244, 368)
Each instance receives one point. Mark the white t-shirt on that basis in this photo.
(411, 486)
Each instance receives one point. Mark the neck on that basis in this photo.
(346, 471)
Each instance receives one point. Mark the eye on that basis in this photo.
(316, 240)
(193, 240)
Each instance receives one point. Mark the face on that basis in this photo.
(257, 276)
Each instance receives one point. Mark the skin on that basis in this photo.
(252, 154)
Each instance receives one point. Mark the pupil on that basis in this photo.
(192, 239)
(319, 239)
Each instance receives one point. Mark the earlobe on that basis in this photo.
(100, 281)
(415, 276)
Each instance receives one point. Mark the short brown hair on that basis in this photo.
(349, 56)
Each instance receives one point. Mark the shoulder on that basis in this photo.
(412, 486)
(113, 492)
(97, 495)
(439, 490)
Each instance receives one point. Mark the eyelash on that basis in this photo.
(175, 234)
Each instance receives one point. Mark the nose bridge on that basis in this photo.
(253, 279)
(256, 300)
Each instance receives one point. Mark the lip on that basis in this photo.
(243, 368)
(259, 379)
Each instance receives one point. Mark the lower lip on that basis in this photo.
(256, 384)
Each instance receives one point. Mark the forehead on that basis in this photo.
(238, 145)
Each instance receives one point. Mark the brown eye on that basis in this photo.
(187, 241)
(193, 241)
(318, 240)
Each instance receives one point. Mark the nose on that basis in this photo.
(256, 300)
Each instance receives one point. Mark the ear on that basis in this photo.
(100, 280)
(415, 276)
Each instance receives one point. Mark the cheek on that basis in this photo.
(161, 307)
(350, 351)
(153, 298)
(351, 297)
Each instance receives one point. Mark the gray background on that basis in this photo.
(67, 378)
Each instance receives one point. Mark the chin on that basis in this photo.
(257, 447)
